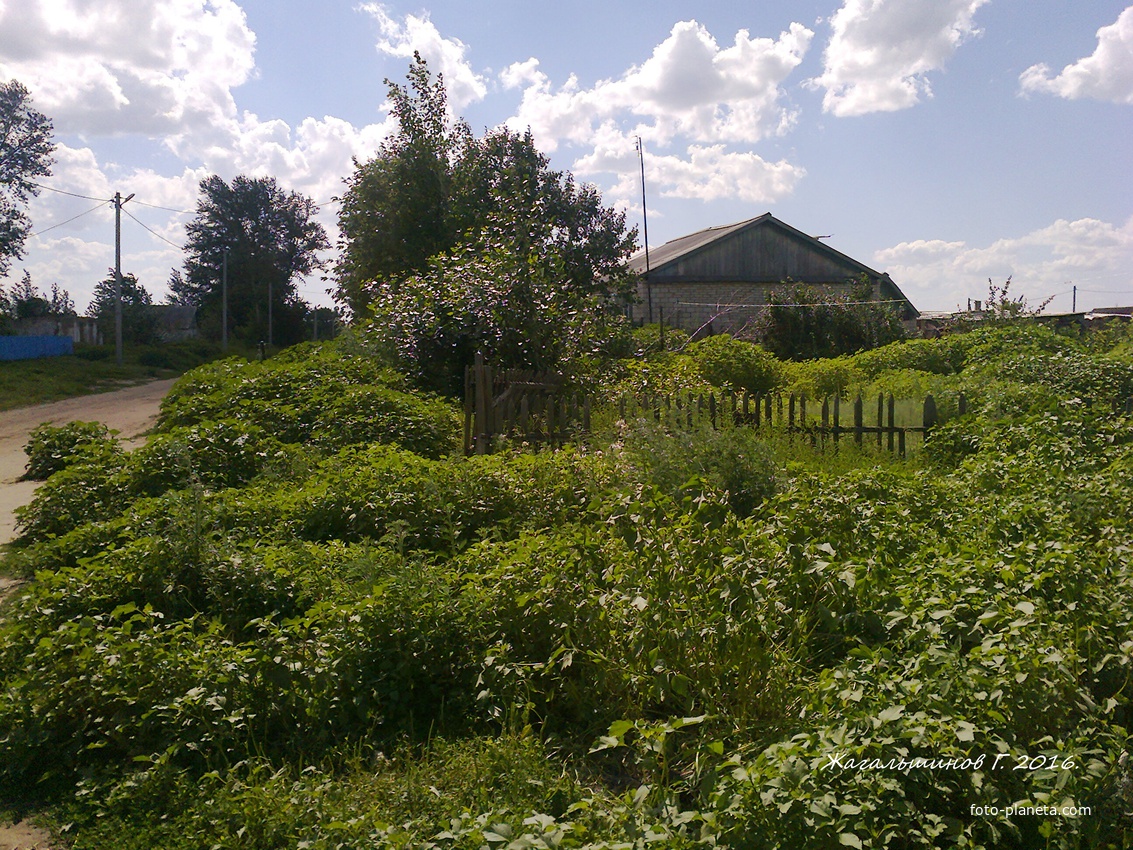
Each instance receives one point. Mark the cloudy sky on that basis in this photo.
(943, 141)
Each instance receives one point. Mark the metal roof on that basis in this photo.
(682, 246)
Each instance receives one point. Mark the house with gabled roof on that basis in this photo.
(718, 279)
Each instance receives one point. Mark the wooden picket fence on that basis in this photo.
(820, 421)
(532, 407)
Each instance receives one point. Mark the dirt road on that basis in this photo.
(131, 412)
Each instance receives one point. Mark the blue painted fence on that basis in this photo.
(28, 347)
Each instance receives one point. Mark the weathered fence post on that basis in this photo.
(963, 404)
(859, 419)
(825, 419)
(712, 409)
(550, 407)
(930, 417)
(890, 410)
(837, 420)
(467, 409)
(483, 405)
(880, 417)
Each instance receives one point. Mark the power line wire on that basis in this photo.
(72, 194)
(68, 221)
(167, 209)
(152, 232)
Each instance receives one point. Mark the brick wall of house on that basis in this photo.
(704, 308)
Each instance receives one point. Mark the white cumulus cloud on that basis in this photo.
(444, 55)
(881, 51)
(1107, 74)
(1096, 255)
(689, 100)
(690, 87)
(102, 67)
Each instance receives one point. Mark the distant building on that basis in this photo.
(718, 279)
(83, 330)
(175, 322)
(934, 324)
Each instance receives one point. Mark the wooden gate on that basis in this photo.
(528, 405)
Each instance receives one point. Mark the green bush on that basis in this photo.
(835, 376)
(985, 345)
(51, 448)
(680, 463)
(358, 415)
(663, 374)
(1071, 374)
(318, 395)
(94, 489)
(227, 453)
(647, 339)
(735, 364)
(409, 502)
(942, 356)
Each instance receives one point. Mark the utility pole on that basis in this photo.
(224, 302)
(1074, 299)
(118, 202)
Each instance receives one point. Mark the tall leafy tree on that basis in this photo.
(397, 210)
(272, 238)
(433, 187)
(139, 322)
(491, 250)
(25, 154)
(25, 301)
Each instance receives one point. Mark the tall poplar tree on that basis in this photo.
(271, 237)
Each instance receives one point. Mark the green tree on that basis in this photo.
(25, 154)
(505, 255)
(397, 210)
(25, 301)
(271, 237)
(807, 322)
(139, 322)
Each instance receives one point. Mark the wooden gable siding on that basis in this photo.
(757, 254)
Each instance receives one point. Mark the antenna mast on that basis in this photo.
(644, 213)
(645, 223)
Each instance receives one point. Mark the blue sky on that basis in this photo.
(943, 141)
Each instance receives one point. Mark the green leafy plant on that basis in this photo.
(51, 448)
(735, 364)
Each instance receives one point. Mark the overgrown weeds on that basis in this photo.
(690, 638)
